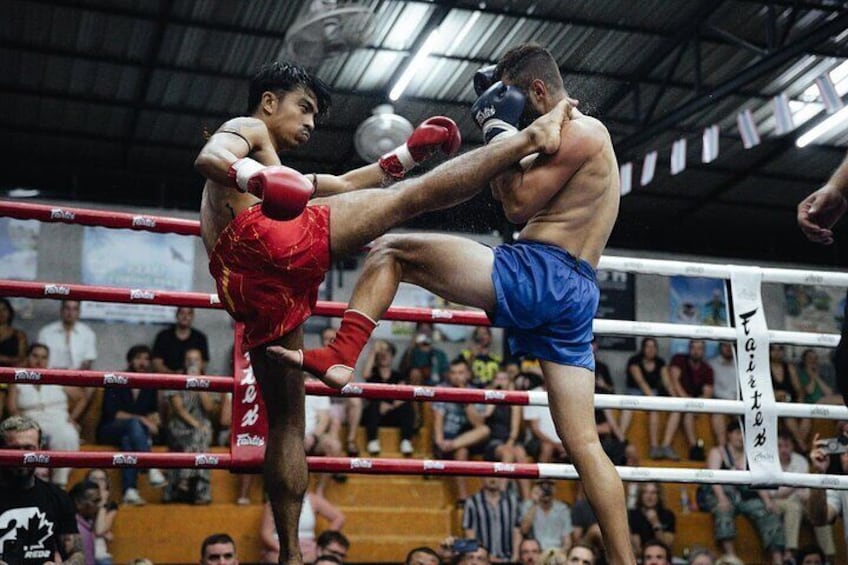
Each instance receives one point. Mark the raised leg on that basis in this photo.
(571, 397)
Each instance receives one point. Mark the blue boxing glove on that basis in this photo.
(498, 111)
(483, 78)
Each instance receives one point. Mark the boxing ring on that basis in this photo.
(749, 331)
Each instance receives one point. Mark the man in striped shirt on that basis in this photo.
(491, 516)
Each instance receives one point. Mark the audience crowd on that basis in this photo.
(505, 520)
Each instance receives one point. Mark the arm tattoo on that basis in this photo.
(73, 547)
(233, 132)
(232, 212)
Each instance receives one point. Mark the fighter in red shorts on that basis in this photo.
(269, 259)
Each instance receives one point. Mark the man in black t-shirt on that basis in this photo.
(171, 345)
(37, 519)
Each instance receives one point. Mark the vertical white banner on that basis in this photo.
(830, 97)
(747, 129)
(678, 156)
(625, 173)
(709, 146)
(649, 166)
(752, 355)
(782, 114)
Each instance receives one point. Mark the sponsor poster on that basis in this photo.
(697, 301)
(135, 260)
(817, 309)
(617, 302)
(19, 256)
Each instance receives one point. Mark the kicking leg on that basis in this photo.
(571, 398)
(285, 470)
(455, 268)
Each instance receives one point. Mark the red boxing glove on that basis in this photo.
(431, 135)
(284, 191)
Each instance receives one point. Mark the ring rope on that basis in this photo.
(212, 383)
(391, 466)
(61, 291)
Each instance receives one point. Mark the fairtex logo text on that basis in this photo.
(504, 468)
(429, 464)
(124, 459)
(139, 294)
(247, 440)
(423, 392)
(357, 463)
(24, 375)
(208, 460)
(60, 214)
(143, 222)
(38, 458)
(194, 382)
(54, 289)
(113, 379)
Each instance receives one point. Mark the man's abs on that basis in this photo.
(219, 206)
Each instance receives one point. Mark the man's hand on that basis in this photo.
(819, 460)
(438, 132)
(819, 211)
(546, 130)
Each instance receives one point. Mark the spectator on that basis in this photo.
(688, 376)
(479, 556)
(13, 342)
(459, 430)
(424, 556)
(218, 549)
(172, 344)
(784, 379)
(72, 345)
(129, 419)
(655, 552)
(140, 561)
(725, 501)
(545, 518)
(700, 556)
(345, 409)
(529, 551)
(327, 560)
(580, 554)
(27, 502)
(484, 364)
(491, 516)
(314, 505)
(644, 378)
(726, 386)
(650, 519)
(812, 555)
(825, 506)
(396, 413)
(105, 516)
(87, 501)
(317, 437)
(553, 556)
(423, 363)
(333, 542)
(546, 444)
(584, 521)
(610, 434)
(504, 423)
(789, 501)
(190, 431)
(51, 406)
(813, 385)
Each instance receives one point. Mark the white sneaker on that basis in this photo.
(406, 447)
(132, 498)
(156, 478)
(373, 447)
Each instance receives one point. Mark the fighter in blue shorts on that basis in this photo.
(541, 288)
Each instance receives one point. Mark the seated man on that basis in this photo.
(689, 376)
(458, 429)
(491, 517)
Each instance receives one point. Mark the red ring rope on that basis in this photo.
(98, 218)
(61, 291)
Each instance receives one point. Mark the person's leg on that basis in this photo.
(63, 437)
(126, 434)
(724, 528)
(371, 419)
(353, 409)
(824, 537)
(792, 510)
(671, 426)
(285, 469)
(461, 454)
(471, 437)
(689, 428)
(654, 428)
(406, 420)
(624, 424)
(719, 429)
(571, 397)
(768, 526)
(455, 268)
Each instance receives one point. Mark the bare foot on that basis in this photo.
(336, 376)
(547, 129)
